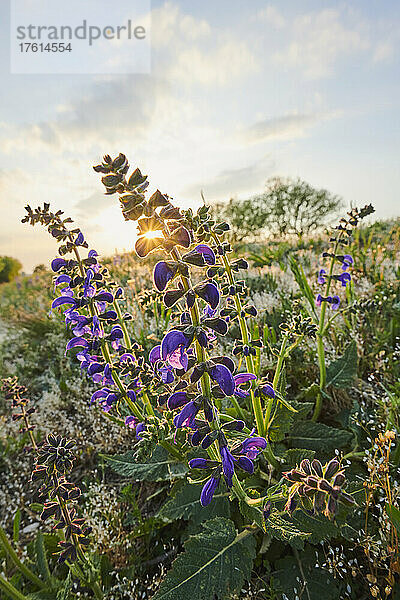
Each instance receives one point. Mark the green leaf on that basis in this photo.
(342, 371)
(41, 559)
(284, 530)
(394, 516)
(158, 468)
(294, 456)
(215, 564)
(16, 525)
(185, 504)
(319, 527)
(302, 282)
(252, 514)
(307, 581)
(319, 437)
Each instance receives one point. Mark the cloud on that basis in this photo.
(319, 40)
(93, 205)
(272, 16)
(283, 127)
(233, 182)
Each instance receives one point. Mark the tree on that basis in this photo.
(9, 268)
(297, 208)
(287, 207)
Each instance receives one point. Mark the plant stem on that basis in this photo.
(255, 400)
(205, 379)
(320, 337)
(104, 348)
(17, 562)
(10, 590)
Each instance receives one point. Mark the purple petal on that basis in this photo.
(79, 239)
(139, 428)
(92, 253)
(187, 415)
(155, 354)
(62, 279)
(245, 463)
(162, 274)
(207, 252)
(335, 302)
(208, 292)
(116, 333)
(198, 463)
(243, 378)
(131, 421)
(57, 263)
(77, 341)
(178, 359)
(208, 491)
(227, 465)
(222, 375)
(64, 300)
(104, 297)
(268, 390)
(171, 342)
(177, 400)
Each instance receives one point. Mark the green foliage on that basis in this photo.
(158, 468)
(215, 564)
(318, 437)
(301, 280)
(284, 529)
(341, 372)
(287, 207)
(9, 268)
(300, 578)
(318, 526)
(185, 504)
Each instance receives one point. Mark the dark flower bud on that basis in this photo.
(324, 486)
(305, 466)
(312, 481)
(339, 479)
(171, 297)
(335, 493)
(293, 475)
(317, 467)
(319, 501)
(332, 468)
(331, 507)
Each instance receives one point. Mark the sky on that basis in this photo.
(237, 92)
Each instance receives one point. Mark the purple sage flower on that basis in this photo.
(208, 490)
(240, 379)
(321, 276)
(347, 261)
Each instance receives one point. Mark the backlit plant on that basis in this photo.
(206, 396)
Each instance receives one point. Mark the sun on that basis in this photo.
(150, 235)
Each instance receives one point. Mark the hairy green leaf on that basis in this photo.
(215, 564)
(319, 437)
(41, 559)
(319, 527)
(302, 579)
(185, 504)
(342, 371)
(284, 530)
(16, 525)
(294, 456)
(158, 467)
